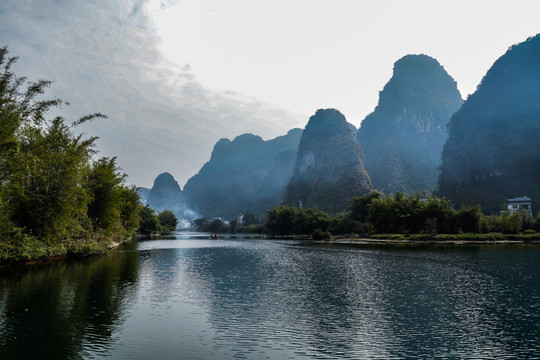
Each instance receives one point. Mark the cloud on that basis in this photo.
(102, 56)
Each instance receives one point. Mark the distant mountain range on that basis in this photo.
(246, 175)
(489, 143)
(166, 194)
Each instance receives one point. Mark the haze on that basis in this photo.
(176, 76)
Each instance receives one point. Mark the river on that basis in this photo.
(239, 298)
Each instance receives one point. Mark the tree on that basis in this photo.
(360, 206)
(200, 224)
(130, 206)
(279, 220)
(284, 220)
(469, 219)
(249, 219)
(149, 221)
(103, 186)
(234, 224)
(168, 221)
(216, 225)
(45, 189)
(53, 198)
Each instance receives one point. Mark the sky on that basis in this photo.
(175, 76)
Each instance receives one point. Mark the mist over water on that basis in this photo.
(240, 298)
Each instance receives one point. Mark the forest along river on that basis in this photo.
(240, 298)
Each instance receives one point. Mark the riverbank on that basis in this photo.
(28, 250)
(441, 239)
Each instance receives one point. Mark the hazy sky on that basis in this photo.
(176, 76)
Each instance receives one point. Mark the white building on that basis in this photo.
(520, 204)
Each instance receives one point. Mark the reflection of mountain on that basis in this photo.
(59, 310)
(403, 138)
(493, 148)
(246, 175)
(329, 169)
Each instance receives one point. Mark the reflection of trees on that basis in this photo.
(53, 311)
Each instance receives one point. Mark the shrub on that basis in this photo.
(319, 234)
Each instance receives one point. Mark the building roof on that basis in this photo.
(520, 199)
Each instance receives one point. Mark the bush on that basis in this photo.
(468, 219)
(319, 234)
(285, 220)
(149, 221)
(168, 222)
(21, 247)
(510, 224)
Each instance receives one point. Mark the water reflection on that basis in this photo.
(65, 309)
(253, 299)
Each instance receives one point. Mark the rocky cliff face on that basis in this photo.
(246, 175)
(329, 169)
(403, 138)
(493, 149)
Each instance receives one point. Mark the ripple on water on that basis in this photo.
(253, 299)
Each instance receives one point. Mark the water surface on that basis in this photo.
(241, 298)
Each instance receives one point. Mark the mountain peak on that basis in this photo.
(329, 170)
(402, 139)
(166, 180)
(492, 152)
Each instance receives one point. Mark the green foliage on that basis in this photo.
(251, 229)
(130, 205)
(168, 221)
(45, 191)
(344, 223)
(102, 185)
(279, 220)
(233, 226)
(200, 224)
(249, 219)
(53, 199)
(286, 220)
(319, 234)
(19, 247)
(397, 217)
(408, 215)
(148, 221)
(217, 226)
(360, 206)
(469, 219)
(510, 224)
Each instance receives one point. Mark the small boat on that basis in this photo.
(213, 237)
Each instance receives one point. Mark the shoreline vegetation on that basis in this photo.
(58, 200)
